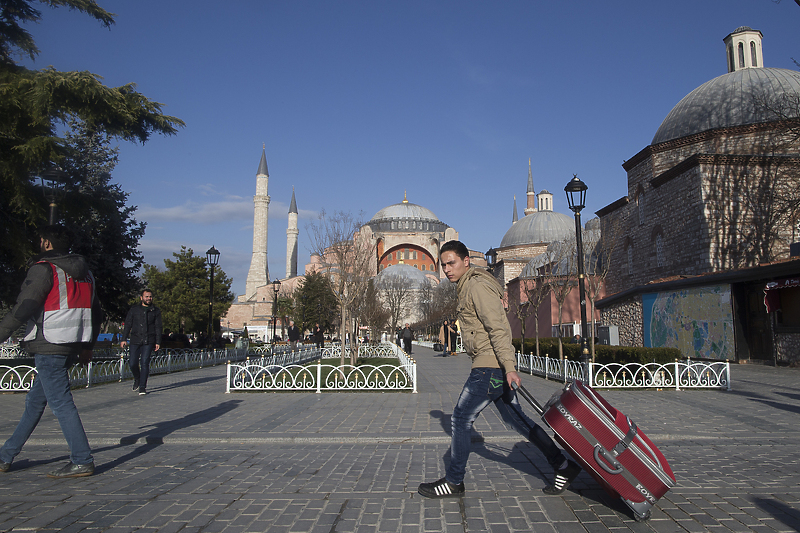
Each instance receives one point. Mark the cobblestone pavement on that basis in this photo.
(190, 458)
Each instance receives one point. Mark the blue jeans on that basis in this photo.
(486, 385)
(140, 371)
(51, 386)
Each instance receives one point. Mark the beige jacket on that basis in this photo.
(485, 332)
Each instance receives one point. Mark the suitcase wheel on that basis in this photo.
(641, 518)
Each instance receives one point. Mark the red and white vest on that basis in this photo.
(67, 309)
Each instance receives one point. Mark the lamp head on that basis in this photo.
(576, 194)
(212, 256)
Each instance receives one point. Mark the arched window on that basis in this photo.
(753, 55)
(741, 55)
(415, 254)
(731, 63)
(389, 257)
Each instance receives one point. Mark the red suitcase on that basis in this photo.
(608, 445)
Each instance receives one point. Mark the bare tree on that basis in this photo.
(522, 310)
(598, 247)
(561, 275)
(373, 312)
(397, 293)
(536, 290)
(347, 259)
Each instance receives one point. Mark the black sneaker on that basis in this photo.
(135, 385)
(441, 489)
(564, 476)
(73, 470)
(142, 392)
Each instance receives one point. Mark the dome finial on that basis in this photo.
(405, 197)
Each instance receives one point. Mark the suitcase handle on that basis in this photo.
(528, 397)
(600, 451)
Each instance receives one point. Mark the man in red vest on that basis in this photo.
(59, 305)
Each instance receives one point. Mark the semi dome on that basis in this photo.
(538, 227)
(729, 100)
(416, 277)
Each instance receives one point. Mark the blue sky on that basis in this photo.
(360, 102)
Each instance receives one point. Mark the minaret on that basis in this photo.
(258, 275)
(291, 240)
(531, 194)
(514, 217)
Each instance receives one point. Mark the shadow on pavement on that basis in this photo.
(780, 511)
(154, 434)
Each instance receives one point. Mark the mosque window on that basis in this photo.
(753, 55)
(660, 250)
(389, 257)
(731, 63)
(415, 254)
(741, 55)
(393, 224)
(430, 268)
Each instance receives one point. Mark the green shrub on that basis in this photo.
(548, 346)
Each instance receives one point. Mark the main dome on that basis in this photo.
(729, 100)
(538, 227)
(405, 210)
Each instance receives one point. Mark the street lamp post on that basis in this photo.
(212, 257)
(276, 286)
(54, 182)
(576, 197)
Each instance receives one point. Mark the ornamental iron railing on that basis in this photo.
(686, 374)
(19, 378)
(275, 374)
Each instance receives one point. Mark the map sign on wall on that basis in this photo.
(697, 321)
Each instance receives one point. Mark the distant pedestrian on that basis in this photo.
(143, 325)
(59, 303)
(447, 335)
(399, 335)
(293, 334)
(319, 336)
(408, 335)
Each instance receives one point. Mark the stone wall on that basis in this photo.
(787, 347)
(627, 316)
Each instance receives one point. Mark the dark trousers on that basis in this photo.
(407, 345)
(140, 363)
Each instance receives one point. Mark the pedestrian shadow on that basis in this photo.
(181, 384)
(780, 511)
(153, 434)
(782, 406)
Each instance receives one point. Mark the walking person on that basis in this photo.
(446, 335)
(408, 335)
(486, 336)
(60, 306)
(319, 336)
(294, 335)
(143, 326)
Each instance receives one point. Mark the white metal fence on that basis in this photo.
(686, 374)
(276, 374)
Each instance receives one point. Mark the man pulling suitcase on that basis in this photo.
(486, 337)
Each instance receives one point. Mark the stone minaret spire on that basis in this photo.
(531, 208)
(514, 217)
(259, 267)
(291, 240)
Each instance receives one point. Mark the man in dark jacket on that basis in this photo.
(408, 335)
(59, 304)
(143, 325)
(294, 335)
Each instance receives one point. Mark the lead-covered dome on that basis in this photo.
(406, 273)
(539, 227)
(405, 216)
(730, 100)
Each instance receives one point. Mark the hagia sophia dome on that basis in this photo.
(405, 216)
(414, 276)
(735, 98)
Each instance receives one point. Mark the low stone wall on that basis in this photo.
(627, 316)
(787, 347)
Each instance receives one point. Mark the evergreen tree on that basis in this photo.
(315, 303)
(34, 106)
(181, 292)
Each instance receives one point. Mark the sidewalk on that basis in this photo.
(188, 457)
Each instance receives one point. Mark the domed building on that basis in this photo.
(529, 236)
(406, 233)
(716, 191)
